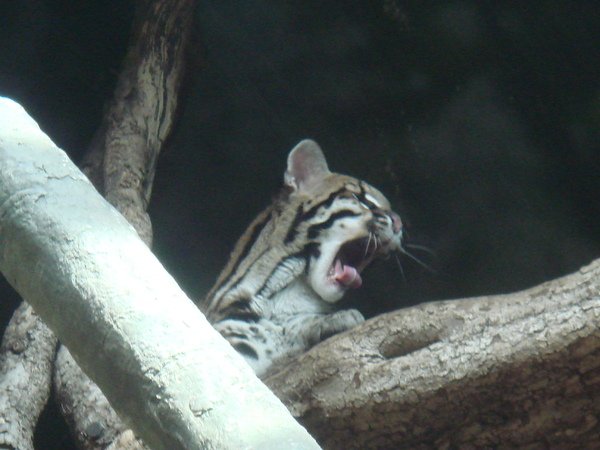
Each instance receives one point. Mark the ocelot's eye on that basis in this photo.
(372, 200)
(364, 205)
(361, 203)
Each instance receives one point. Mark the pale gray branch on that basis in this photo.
(129, 326)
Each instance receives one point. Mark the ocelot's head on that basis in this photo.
(343, 222)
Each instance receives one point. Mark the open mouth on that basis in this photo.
(350, 260)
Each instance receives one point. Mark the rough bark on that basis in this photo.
(26, 356)
(141, 114)
(508, 371)
(98, 287)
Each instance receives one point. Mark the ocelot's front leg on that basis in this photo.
(264, 342)
(260, 342)
(309, 330)
(303, 331)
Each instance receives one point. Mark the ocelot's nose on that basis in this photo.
(396, 222)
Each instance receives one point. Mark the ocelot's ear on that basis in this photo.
(306, 166)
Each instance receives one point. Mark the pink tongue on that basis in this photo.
(347, 275)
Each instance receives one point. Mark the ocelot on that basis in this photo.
(277, 295)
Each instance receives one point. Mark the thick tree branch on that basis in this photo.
(519, 370)
(98, 287)
(122, 157)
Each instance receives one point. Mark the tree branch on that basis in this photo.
(519, 370)
(26, 357)
(93, 422)
(142, 112)
(98, 287)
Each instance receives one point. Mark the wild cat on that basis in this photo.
(278, 294)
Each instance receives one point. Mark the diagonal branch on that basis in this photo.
(98, 287)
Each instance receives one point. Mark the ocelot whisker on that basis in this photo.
(400, 267)
(417, 260)
(368, 245)
(422, 248)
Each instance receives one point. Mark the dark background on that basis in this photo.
(479, 120)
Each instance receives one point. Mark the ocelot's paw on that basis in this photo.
(339, 321)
